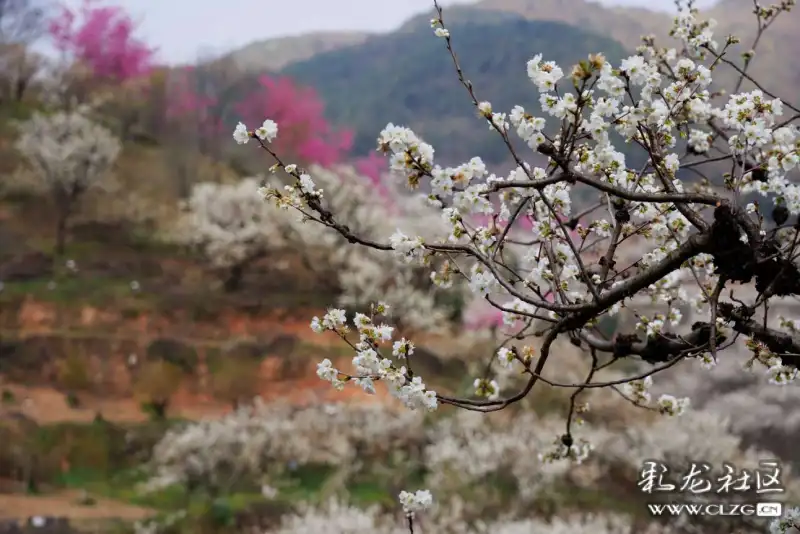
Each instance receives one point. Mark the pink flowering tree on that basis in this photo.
(102, 39)
(103, 62)
(197, 102)
(198, 96)
(299, 112)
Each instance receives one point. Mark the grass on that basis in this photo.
(589, 500)
(101, 464)
(125, 486)
(369, 492)
(305, 483)
(88, 290)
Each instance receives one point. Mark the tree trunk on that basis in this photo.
(20, 88)
(185, 172)
(61, 234)
(64, 208)
(234, 280)
(159, 409)
(31, 486)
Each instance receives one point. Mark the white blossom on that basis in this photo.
(67, 150)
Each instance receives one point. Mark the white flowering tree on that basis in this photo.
(230, 225)
(708, 248)
(234, 227)
(69, 153)
(470, 462)
(365, 275)
(257, 443)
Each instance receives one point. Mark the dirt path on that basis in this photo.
(47, 405)
(65, 504)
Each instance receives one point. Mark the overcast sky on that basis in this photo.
(182, 29)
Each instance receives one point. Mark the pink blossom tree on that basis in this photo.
(305, 133)
(197, 105)
(102, 39)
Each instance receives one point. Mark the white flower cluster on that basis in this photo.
(415, 502)
(267, 132)
(786, 524)
(669, 405)
(370, 364)
(67, 150)
(638, 392)
(777, 372)
(466, 448)
(698, 435)
(233, 225)
(258, 442)
(486, 388)
(335, 517)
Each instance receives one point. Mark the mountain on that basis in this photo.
(775, 66)
(625, 25)
(273, 54)
(408, 78)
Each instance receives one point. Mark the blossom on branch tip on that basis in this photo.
(670, 405)
(417, 501)
(268, 131)
(240, 134)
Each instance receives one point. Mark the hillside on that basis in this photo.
(417, 87)
(272, 54)
(627, 24)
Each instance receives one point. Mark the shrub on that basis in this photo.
(177, 353)
(236, 380)
(74, 373)
(156, 382)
